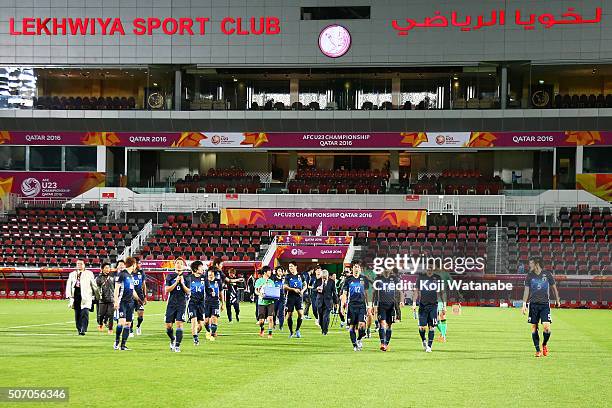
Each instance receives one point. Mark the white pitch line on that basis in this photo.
(35, 325)
(55, 324)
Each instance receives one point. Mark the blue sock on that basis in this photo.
(388, 339)
(535, 336)
(207, 327)
(382, 334)
(170, 333)
(124, 336)
(195, 337)
(362, 334)
(546, 337)
(118, 333)
(353, 336)
(179, 336)
(422, 334)
(430, 337)
(213, 329)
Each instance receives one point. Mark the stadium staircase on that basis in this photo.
(497, 250)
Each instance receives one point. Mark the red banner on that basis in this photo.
(48, 184)
(318, 140)
(328, 218)
(312, 240)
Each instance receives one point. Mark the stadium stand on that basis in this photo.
(45, 237)
(579, 244)
(219, 181)
(339, 181)
(84, 103)
(458, 182)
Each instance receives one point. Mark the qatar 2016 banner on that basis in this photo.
(317, 140)
(48, 184)
(312, 218)
(327, 252)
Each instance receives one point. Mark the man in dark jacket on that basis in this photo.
(106, 285)
(327, 299)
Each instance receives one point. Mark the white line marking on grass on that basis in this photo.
(35, 325)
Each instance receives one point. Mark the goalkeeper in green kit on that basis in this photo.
(442, 325)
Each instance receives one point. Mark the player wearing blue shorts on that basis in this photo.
(294, 286)
(385, 291)
(279, 305)
(124, 302)
(213, 302)
(195, 306)
(140, 288)
(355, 295)
(537, 294)
(427, 291)
(177, 288)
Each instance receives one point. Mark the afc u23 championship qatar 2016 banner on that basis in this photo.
(311, 218)
(317, 140)
(48, 184)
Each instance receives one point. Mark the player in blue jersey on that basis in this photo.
(195, 307)
(177, 288)
(124, 302)
(355, 295)
(537, 293)
(140, 287)
(384, 300)
(279, 305)
(428, 291)
(213, 303)
(295, 287)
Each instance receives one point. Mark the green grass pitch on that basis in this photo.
(487, 362)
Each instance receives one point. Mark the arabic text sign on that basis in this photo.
(497, 18)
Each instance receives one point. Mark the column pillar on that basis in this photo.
(396, 91)
(178, 85)
(293, 162)
(294, 91)
(394, 166)
(504, 87)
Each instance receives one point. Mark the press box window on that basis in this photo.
(45, 158)
(335, 13)
(12, 157)
(81, 158)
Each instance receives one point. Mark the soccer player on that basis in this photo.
(106, 287)
(195, 307)
(265, 307)
(537, 294)
(306, 275)
(295, 287)
(315, 281)
(355, 295)
(140, 288)
(370, 275)
(279, 305)
(442, 324)
(339, 286)
(213, 301)
(427, 293)
(124, 302)
(385, 290)
(177, 287)
(232, 297)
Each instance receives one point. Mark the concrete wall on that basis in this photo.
(375, 42)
